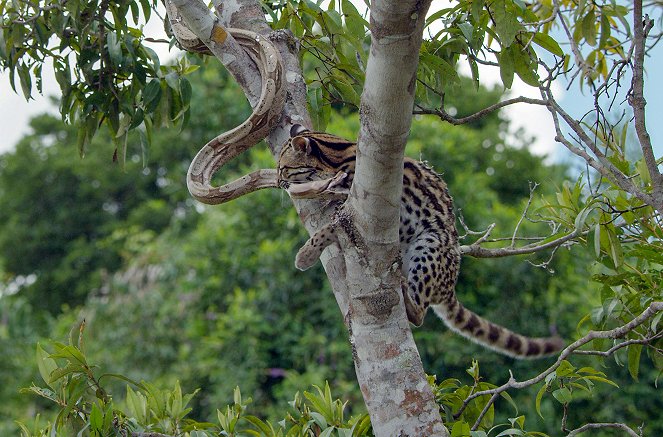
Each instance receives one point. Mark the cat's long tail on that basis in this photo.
(496, 337)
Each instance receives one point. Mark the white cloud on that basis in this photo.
(15, 111)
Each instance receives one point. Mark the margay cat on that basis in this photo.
(312, 163)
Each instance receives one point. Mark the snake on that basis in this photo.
(266, 113)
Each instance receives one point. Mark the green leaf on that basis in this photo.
(172, 79)
(460, 429)
(597, 240)
(114, 48)
(26, 80)
(332, 21)
(605, 32)
(70, 353)
(262, 426)
(151, 95)
(547, 42)
(447, 73)
(354, 22)
(563, 395)
(506, 23)
(539, 396)
(46, 365)
(467, 30)
(147, 9)
(601, 379)
(61, 372)
(96, 418)
(477, 6)
(345, 89)
(615, 248)
(3, 44)
(589, 27)
(565, 368)
(507, 68)
(511, 432)
(634, 352)
(185, 91)
(525, 67)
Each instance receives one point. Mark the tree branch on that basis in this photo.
(641, 27)
(618, 332)
(477, 251)
(612, 350)
(388, 366)
(588, 426)
(600, 163)
(479, 114)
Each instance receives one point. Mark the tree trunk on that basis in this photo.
(364, 269)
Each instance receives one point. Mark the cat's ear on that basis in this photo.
(297, 129)
(302, 144)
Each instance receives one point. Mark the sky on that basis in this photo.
(15, 111)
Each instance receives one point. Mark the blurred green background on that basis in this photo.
(171, 290)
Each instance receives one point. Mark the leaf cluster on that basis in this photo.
(108, 75)
(85, 406)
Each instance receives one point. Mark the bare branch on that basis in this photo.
(600, 163)
(149, 434)
(588, 426)
(477, 115)
(646, 340)
(641, 27)
(584, 68)
(477, 251)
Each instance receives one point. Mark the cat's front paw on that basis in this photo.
(311, 251)
(306, 257)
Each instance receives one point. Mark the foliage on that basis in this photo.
(204, 294)
(85, 406)
(198, 294)
(106, 72)
(510, 35)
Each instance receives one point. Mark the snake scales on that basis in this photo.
(228, 145)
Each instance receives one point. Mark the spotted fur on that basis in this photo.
(428, 238)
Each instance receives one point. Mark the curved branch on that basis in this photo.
(479, 114)
(477, 251)
(621, 345)
(588, 426)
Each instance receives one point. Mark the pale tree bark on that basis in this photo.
(386, 358)
(364, 270)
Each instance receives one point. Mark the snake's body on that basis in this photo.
(226, 146)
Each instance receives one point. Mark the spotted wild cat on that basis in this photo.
(313, 163)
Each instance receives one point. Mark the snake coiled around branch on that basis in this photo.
(228, 145)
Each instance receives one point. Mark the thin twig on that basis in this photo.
(477, 251)
(477, 115)
(532, 187)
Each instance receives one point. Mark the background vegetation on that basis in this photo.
(172, 291)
